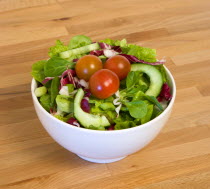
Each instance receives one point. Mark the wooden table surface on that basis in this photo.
(179, 158)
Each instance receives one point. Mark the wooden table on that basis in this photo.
(179, 158)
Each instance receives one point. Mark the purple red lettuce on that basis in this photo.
(165, 93)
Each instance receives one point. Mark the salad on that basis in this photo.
(104, 85)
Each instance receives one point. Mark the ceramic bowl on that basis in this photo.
(103, 146)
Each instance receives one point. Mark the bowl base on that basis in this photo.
(101, 160)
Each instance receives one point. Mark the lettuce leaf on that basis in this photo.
(142, 53)
(55, 50)
(79, 41)
(121, 43)
(45, 102)
(148, 116)
(56, 66)
(124, 125)
(38, 70)
(63, 118)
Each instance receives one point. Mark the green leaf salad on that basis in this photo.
(104, 85)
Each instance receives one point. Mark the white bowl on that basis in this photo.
(103, 146)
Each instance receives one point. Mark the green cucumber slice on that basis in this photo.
(80, 50)
(156, 80)
(86, 119)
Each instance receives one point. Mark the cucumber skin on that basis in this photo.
(156, 80)
(86, 119)
(80, 50)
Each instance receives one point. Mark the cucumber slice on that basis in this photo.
(80, 50)
(156, 80)
(86, 119)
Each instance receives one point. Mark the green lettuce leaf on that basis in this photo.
(55, 50)
(124, 125)
(54, 90)
(141, 96)
(63, 118)
(65, 103)
(56, 66)
(137, 109)
(79, 41)
(142, 53)
(163, 73)
(45, 102)
(38, 70)
(148, 116)
(122, 43)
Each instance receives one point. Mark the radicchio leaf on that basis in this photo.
(117, 49)
(132, 59)
(75, 60)
(85, 105)
(87, 93)
(165, 93)
(47, 79)
(110, 128)
(109, 53)
(73, 121)
(105, 46)
(67, 77)
(97, 52)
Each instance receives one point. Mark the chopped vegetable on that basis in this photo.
(40, 91)
(106, 85)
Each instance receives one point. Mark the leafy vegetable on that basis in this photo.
(124, 125)
(121, 43)
(107, 106)
(141, 96)
(142, 53)
(56, 66)
(137, 109)
(165, 93)
(38, 70)
(85, 105)
(148, 116)
(55, 50)
(96, 128)
(63, 118)
(79, 41)
(132, 79)
(153, 100)
(65, 103)
(54, 90)
(70, 87)
(163, 73)
(45, 101)
(134, 59)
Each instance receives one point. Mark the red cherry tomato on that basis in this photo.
(119, 65)
(104, 83)
(87, 65)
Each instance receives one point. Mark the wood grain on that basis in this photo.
(179, 158)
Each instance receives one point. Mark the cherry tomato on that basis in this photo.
(104, 83)
(119, 65)
(87, 65)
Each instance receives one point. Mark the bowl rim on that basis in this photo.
(168, 108)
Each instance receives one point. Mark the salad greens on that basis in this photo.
(143, 53)
(56, 66)
(130, 106)
(38, 70)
